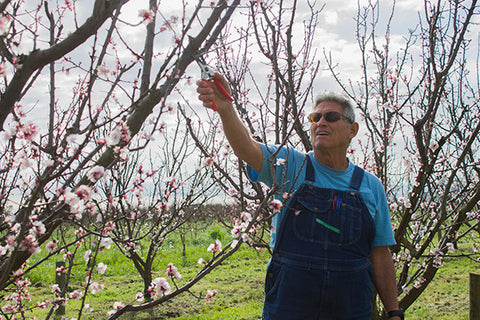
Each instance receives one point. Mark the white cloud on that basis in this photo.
(410, 5)
(331, 18)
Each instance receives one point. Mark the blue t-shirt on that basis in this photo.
(286, 167)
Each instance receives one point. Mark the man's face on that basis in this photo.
(335, 136)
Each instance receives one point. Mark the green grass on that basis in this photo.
(239, 282)
(447, 297)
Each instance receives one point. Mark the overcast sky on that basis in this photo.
(335, 32)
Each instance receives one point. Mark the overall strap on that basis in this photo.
(310, 171)
(357, 177)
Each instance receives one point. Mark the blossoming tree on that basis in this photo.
(60, 150)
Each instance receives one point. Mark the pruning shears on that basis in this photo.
(208, 74)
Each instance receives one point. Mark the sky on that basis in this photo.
(335, 33)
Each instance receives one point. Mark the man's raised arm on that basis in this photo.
(244, 146)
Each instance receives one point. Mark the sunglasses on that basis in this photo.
(330, 116)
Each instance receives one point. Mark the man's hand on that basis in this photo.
(208, 93)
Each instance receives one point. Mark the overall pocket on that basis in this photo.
(272, 281)
(330, 220)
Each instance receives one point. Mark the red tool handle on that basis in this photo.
(222, 90)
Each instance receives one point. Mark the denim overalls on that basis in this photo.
(320, 268)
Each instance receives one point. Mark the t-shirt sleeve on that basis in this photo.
(274, 165)
(384, 233)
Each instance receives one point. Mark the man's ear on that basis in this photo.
(353, 130)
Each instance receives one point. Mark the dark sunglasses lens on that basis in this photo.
(314, 117)
(332, 116)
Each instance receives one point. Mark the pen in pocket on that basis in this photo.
(337, 202)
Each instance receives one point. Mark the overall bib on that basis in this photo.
(320, 268)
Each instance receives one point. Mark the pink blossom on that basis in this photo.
(58, 302)
(88, 308)
(161, 286)
(56, 288)
(236, 230)
(60, 270)
(210, 293)
(172, 271)
(68, 5)
(22, 160)
(114, 138)
(30, 244)
(29, 131)
(83, 192)
(75, 295)
(48, 163)
(72, 139)
(51, 246)
(8, 308)
(276, 205)
(393, 206)
(437, 261)
(71, 198)
(87, 255)
(201, 261)
(16, 228)
(123, 153)
(172, 182)
(101, 267)
(76, 205)
(121, 132)
(215, 247)
(95, 287)
(208, 162)
(9, 218)
(38, 228)
(419, 282)
(139, 297)
(280, 162)
(11, 131)
(4, 24)
(117, 305)
(450, 247)
(106, 242)
(43, 305)
(146, 15)
(96, 173)
(246, 216)
(103, 70)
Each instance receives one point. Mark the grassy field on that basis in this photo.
(239, 283)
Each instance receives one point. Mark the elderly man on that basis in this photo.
(330, 241)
